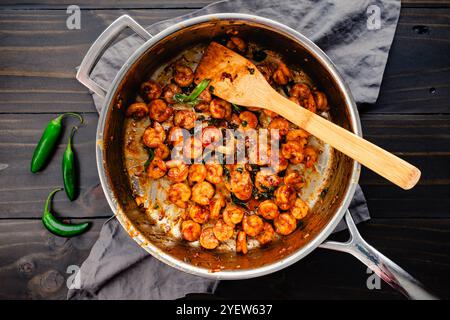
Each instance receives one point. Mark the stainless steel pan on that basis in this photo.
(327, 213)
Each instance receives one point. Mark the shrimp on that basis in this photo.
(150, 90)
(179, 194)
(295, 179)
(183, 76)
(198, 213)
(310, 157)
(285, 224)
(300, 91)
(266, 235)
(241, 242)
(297, 134)
(137, 110)
(184, 119)
(285, 197)
(155, 136)
(252, 225)
(207, 239)
(175, 135)
(310, 103)
(232, 214)
(169, 91)
(265, 180)
(268, 210)
(216, 205)
(321, 100)
(279, 165)
(157, 168)
(300, 209)
(178, 170)
(211, 135)
(202, 192)
(205, 96)
(266, 71)
(197, 173)
(162, 151)
(223, 231)
(280, 124)
(191, 230)
(236, 43)
(220, 109)
(292, 150)
(159, 111)
(192, 148)
(241, 183)
(282, 75)
(214, 173)
(248, 120)
(202, 106)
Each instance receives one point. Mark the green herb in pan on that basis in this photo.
(192, 98)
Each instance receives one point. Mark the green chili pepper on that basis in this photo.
(179, 97)
(68, 168)
(48, 140)
(57, 227)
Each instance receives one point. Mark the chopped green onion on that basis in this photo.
(192, 98)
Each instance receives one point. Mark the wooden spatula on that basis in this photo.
(238, 81)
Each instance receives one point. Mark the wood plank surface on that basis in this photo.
(40, 77)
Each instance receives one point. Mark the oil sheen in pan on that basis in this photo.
(152, 194)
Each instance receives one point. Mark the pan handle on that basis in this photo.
(385, 268)
(99, 47)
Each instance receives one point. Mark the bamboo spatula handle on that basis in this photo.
(384, 163)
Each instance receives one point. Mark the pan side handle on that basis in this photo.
(99, 47)
(384, 267)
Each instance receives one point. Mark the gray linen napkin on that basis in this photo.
(117, 268)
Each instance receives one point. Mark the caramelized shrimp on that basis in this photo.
(198, 213)
(155, 136)
(211, 135)
(252, 225)
(310, 104)
(207, 239)
(265, 180)
(216, 205)
(205, 96)
(266, 71)
(295, 179)
(282, 75)
(137, 110)
(162, 151)
(175, 135)
(223, 231)
(236, 43)
(191, 230)
(248, 120)
(179, 194)
(285, 224)
(232, 214)
(300, 209)
(184, 119)
(297, 134)
(266, 235)
(192, 148)
(220, 109)
(197, 173)
(202, 192)
(321, 100)
(150, 90)
(159, 111)
(241, 242)
(214, 172)
(169, 91)
(183, 76)
(157, 168)
(285, 197)
(281, 124)
(241, 183)
(268, 210)
(202, 106)
(280, 165)
(310, 157)
(300, 91)
(292, 150)
(178, 170)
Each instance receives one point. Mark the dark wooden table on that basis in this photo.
(38, 56)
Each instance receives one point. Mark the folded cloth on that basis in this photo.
(348, 31)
